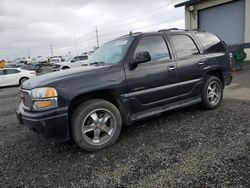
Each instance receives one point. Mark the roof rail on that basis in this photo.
(170, 29)
(130, 34)
(195, 29)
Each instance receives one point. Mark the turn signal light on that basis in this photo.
(43, 104)
(50, 92)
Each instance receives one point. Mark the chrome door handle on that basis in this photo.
(201, 63)
(171, 68)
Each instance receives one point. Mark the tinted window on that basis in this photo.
(211, 42)
(83, 58)
(75, 59)
(156, 46)
(184, 46)
(1, 72)
(11, 71)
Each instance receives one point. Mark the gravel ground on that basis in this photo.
(185, 148)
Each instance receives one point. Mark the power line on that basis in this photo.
(75, 42)
(135, 28)
(131, 17)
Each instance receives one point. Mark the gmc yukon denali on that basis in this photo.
(133, 77)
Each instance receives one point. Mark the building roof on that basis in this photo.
(188, 3)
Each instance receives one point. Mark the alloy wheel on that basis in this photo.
(214, 92)
(98, 127)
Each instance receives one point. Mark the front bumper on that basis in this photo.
(52, 124)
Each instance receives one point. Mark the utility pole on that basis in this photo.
(76, 45)
(51, 49)
(97, 39)
(29, 52)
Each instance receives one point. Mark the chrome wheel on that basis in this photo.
(214, 92)
(98, 127)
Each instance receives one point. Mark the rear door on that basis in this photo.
(190, 64)
(154, 83)
(83, 59)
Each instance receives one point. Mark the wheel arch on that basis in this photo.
(22, 78)
(108, 95)
(218, 73)
(65, 67)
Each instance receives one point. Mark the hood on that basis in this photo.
(50, 78)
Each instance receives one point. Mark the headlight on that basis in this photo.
(44, 98)
(45, 92)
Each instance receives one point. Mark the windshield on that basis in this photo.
(111, 52)
(68, 58)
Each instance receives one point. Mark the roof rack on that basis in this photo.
(170, 29)
(130, 34)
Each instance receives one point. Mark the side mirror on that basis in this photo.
(141, 57)
(72, 61)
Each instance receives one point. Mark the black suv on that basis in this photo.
(132, 77)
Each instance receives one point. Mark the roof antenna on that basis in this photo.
(130, 33)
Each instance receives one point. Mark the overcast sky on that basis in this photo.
(69, 25)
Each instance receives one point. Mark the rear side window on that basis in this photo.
(83, 58)
(211, 42)
(184, 46)
(11, 71)
(1, 72)
(156, 46)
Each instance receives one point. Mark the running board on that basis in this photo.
(168, 107)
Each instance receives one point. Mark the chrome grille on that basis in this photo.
(26, 99)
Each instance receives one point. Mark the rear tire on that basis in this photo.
(96, 124)
(212, 93)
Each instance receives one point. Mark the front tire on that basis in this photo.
(212, 93)
(96, 124)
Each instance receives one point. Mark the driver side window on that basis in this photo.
(156, 46)
(75, 59)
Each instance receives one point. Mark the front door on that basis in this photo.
(9, 77)
(154, 83)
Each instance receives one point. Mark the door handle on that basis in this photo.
(201, 63)
(171, 68)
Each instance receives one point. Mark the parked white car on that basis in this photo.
(77, 61)
(41, 60)
(15, 76)
(55, 60)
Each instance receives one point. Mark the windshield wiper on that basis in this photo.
(98, 63)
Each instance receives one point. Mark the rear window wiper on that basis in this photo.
(98, 63)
